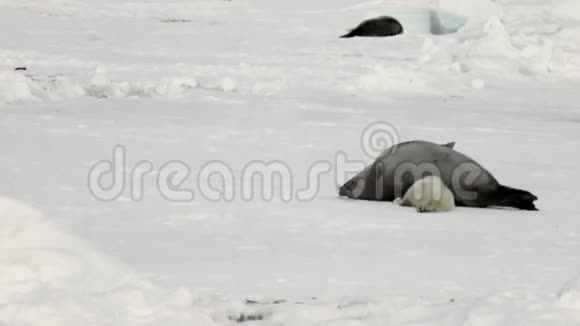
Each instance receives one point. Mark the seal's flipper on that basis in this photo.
(401, 202)
(515, 198)
(449, 144)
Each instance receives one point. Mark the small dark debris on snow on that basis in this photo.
(279, 301)
(175, 20)
(20, 69)
(249, 301)
(244, 318)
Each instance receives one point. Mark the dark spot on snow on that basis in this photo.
(244, 318)
(175, 20)
(249, 301)
(20, 69)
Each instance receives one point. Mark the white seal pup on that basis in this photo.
(428, 195)
(376, 27)
(401, 165)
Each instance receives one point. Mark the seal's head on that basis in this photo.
(353, 188)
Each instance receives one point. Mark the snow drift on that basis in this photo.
(50, 277)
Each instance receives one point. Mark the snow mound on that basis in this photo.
(569, 295)
(491, 48)
(50, 277)
(473, 11)
(510, 43)
(19, 87)
(14, 87)
(101, 86)
(383, 79)
(498, 309)
(428, 21)
(447, 16)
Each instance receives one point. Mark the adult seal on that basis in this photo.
(401, 165)
(376, 27)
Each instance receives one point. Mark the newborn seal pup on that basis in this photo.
(401, 165)
(428, 195)
(376, 27)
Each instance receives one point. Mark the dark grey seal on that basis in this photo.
(377, 27)
(400, 166)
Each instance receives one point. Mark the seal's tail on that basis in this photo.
(516, 198)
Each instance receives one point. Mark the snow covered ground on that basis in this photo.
(49, 277)
(240, 82)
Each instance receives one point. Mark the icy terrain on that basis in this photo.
(245, 81)
(49, 277)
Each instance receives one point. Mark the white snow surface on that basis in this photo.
(50, 277)
(245, 81)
